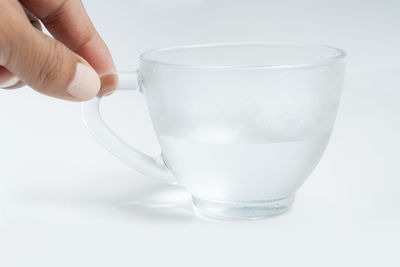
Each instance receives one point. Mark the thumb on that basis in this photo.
(49, 67)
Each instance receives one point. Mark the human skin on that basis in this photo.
(66, 66)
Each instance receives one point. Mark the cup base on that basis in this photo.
(245, 210)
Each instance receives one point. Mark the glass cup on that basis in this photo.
(241, 125)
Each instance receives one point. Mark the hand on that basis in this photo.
(66, 67)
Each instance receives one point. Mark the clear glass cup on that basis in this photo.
(241, 125)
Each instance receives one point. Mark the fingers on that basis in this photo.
(69, 23)
(7, 79)
(42, 62)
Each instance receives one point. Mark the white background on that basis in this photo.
(65, 201)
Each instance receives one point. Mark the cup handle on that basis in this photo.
(145, 164)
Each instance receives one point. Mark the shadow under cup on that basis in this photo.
(241, 125)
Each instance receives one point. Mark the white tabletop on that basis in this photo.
(65, 201)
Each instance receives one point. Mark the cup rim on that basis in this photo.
(339, 55)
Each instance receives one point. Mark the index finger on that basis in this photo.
(69, 23)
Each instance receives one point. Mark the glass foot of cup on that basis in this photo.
(242, 209)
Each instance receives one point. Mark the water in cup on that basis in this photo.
(241, 171)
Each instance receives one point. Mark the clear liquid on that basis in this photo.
(237, 171)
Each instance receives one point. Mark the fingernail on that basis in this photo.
(10, 82)
(85, 84)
